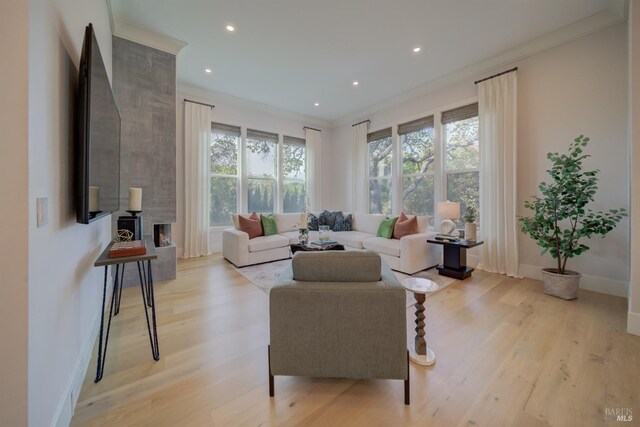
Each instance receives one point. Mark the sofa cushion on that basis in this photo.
(336, 266)
(328, 218)
(342, 223)
(313, 222)
(368, 223)
(386, 227)
(383, 246)
(264, 243)
(269, 226)
(236, 221)
(250, 225)
(287, 221)
(351, 238)
(405, 226)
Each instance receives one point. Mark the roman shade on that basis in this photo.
(460, 113)
(262, 136)
(290, 140)
(379, 134)
(225, 129)
(415, 125)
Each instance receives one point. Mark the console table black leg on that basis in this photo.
(152, 299)
(153, 335)
(102, 352)
(120, 289)
(146, 284)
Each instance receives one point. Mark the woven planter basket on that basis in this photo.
(563, 286)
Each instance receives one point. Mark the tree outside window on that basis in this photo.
(462, 162)
(380, 166)
(224, 174)
(418, 166)
(294, 171)
(262, 171)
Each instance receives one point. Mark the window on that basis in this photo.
(417, 147)
(225, 141)
(262, 170)
(294, 174)
(380, 165)
(462, 156)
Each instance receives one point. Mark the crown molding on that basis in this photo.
(121, 28)
(614, 14)
(207, 95)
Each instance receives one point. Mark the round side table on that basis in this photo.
(422, 354)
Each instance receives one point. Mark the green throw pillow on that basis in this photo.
(386, 228)
(269, 225)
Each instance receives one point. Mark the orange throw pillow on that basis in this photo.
(405, 226)
(250, 225)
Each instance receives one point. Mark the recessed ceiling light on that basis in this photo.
(355, 83)
(231, 28)
(317, 104)
(416, 49)
(208, 70)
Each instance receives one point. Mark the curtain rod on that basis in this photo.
(307, 127)
(364, 121)
(496, 75)
(201, 103)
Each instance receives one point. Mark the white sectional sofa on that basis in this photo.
(409, 254)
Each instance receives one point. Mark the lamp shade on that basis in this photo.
(449, 210)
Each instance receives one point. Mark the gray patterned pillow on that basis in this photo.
(343, 223)
(312, 224)
(327, 218)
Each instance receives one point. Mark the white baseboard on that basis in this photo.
(603, 285)
(69, 398)
(633, 323)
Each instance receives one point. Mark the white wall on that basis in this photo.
(575, 88)
(13, 212)
(234, 111)
(633, 323)
(64, 287)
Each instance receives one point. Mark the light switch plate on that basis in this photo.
(42, 211)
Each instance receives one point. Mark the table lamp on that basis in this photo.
(448, 211)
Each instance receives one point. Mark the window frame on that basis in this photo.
(303, 142)
(391, 177)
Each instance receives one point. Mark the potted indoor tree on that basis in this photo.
(470, 226)
(560, 219)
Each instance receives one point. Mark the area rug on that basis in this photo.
(264, 276)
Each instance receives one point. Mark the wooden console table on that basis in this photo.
(148, 300)
(455, 257)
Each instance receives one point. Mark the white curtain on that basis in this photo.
(497, 99)
(197, 142)
(314, 168)
(360, 181)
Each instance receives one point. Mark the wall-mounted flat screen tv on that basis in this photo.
(98, 137)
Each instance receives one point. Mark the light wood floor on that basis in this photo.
(506, 355)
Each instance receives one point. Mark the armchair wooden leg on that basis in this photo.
(407, 388)
(271, 387)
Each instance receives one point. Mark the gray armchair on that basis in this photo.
(338, 314)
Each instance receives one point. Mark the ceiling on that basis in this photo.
(293, 53)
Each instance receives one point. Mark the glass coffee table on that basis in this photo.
(422, 354)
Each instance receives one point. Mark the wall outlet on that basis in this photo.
(42, 211)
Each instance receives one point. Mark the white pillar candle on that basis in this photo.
(94, 196)
(303, 220)
(135, 199)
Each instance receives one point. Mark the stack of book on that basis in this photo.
(447, 238)
(322, 244)
(123, 249)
